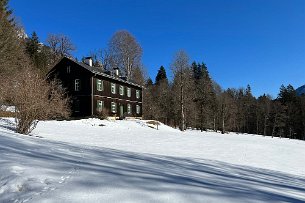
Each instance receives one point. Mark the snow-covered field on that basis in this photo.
(127, 161)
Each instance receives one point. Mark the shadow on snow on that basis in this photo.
(198, 178)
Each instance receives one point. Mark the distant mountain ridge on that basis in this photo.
(300, 90)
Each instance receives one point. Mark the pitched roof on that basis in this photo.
(99, 71)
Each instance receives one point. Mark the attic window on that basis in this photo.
(68, 69)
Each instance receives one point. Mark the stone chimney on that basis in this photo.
(116, 72)
(88, 61)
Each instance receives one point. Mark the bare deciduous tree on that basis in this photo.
(125, 52)
(60, 46)
(101, 58)
(180, 67)
(34, 99)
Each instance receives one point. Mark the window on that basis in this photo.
(137, 94)
(68, 69)
(76, 105)
(121, 90)
(138, 109)
(128, 92)
(77, 85)
(113, 88)
(128, 108)
(99, 85)
(113, 107)
(99, 105)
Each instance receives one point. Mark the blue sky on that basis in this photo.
(256, 42)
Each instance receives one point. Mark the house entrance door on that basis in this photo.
(121, 111)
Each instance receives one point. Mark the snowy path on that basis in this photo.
(61, 169)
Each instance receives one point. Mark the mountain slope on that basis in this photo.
(301, 90)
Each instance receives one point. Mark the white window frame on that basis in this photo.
(128, 92)
(113, 88)
(121, 90)
(99, 105)
(113, 107)
(137, 94)
(138, 109)
(129, 110)
(99, 85)
(77, 85)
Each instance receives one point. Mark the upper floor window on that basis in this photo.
(121, 90)
(68, 69)
(77, 84)
(129, 108)
(99, 105)
(138, 109)
(137, 94)
(113, 88)
(99, 85)
(113, 107)
(128, 92)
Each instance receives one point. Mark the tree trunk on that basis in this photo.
(182, 109)
(214, 123)
(223, 120)
(274, 126)
(265, 126)
(201, 117)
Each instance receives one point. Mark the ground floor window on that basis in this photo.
(138, 109)
(129, 108)
(76, 105)
(99, 105)
(113, 107)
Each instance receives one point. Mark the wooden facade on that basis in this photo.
(92, 91)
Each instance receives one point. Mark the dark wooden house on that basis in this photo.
(92, 91)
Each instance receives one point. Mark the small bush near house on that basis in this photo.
(34, 98)
(103, 114)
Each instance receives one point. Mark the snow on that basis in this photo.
(131, 161)
(7, 108)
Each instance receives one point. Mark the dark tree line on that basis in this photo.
(193, 100)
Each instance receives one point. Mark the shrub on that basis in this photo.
(35, 99)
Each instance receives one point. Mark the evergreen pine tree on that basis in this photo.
(149, 82)
(32, 45)
(161, 76)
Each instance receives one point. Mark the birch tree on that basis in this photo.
(181, 69)
(125, 52)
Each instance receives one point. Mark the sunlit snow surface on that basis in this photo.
(127, 161)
